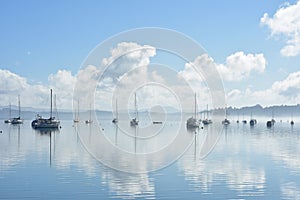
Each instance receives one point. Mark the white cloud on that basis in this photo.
(239, 66)
(36, 95)
(11, 82)
(286, 22)
(286, 91)
(127, 56)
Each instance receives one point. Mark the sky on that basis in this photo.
(254, 45)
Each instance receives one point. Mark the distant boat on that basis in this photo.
(157, 122)
(9, 119)
(76, 120)
(43, 123)
(135, 121)
(192, 122)
(292, 121)
(206, 121)
(89, 121)
(115, 120)
(17, 120)
(244, 121)
(252, 121)
(225, 121)
(272, 121)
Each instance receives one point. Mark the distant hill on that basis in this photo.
(256, 110)
(283, 110)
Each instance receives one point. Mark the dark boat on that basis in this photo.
(115, 120)
(270, 123)
(44, 123)
(252, 122)
(226, 121)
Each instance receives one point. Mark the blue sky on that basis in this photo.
(38, 38)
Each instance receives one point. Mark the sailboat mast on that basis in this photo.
(9, 110)
(135, 104)
(207, 111)
(90, 112)
(117, 115)
(77, 109)
(19, 106)
(195, 106)
(51, 103)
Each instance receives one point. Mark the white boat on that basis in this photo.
(115, 120)
(135, 121)
(192, 122)
(9, 119)
(17, 120)
(44, 123)
(225, 121)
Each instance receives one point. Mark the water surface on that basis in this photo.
(246, 163)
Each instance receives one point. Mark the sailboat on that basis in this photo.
(76, 120)
(292, 121)
(9, 119)
(272, 121)
(226, 121)
(206, 121)
(192, 122)
(51, 122)
(252, 121)
(135, 121)
(115, 120)
(17, 120)
(90, 119)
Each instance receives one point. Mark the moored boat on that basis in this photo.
(41, 123)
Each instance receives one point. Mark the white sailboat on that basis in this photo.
(135, 121)
(226, 121)
(9, 119)
(115, 120)
(192, 122)
(17, 120)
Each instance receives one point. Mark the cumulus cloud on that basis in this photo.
(286, 91)
(285, 22)
(127, 56)
(36, 95)
(239, 66)
(11, 82)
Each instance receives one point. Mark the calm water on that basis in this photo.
(246, 163)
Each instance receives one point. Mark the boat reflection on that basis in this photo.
(50, 132)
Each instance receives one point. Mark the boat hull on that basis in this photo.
(44, 123)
